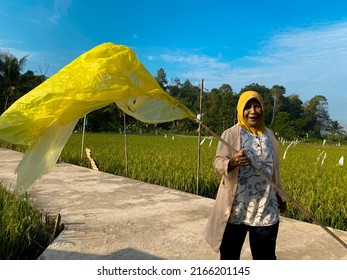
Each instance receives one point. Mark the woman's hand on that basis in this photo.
(239, 159)
(282, 205)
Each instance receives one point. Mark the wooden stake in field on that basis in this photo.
(125, 147)
(199, 138)
(91, 160)
(83, 131)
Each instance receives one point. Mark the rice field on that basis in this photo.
(310, 172)
(25, 231)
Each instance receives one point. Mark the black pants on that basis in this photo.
(262, 241)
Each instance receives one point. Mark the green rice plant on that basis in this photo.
(24, 234)
(319, 188)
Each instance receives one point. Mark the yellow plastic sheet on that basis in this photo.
(45, 117)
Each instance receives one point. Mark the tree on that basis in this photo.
(277, 93)
(106, 119)
(284, 126)
(335, 128)
(316, 117)
(228, 106)
(174, 89)
(293, 106)
(212, 112)
(161, 78)
(10, 71)
(28, 81)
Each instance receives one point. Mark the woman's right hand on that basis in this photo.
(240, 159)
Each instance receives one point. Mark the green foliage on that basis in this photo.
(315, 116)
(161, 78)
(24, 233)
(13, 84)
(109, 118)
(284, 126)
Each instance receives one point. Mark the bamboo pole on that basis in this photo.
(125, 147)
(199, 140)
(83, 131)
(280, 191)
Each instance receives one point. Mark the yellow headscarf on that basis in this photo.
(244, 98)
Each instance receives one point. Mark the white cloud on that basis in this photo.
(200, 61)
(61, 8)
(195, 67)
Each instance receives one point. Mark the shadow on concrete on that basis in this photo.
(123, 254)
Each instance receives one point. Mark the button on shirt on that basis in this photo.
(255, 202)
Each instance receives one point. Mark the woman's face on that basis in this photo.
(252, 113)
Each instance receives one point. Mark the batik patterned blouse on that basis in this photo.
(255, 202)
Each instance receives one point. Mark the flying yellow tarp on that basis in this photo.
(45, 117)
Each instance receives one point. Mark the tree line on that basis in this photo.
(288, 116)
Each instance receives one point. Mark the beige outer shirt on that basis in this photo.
(228, 185)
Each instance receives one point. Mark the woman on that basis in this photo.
(245, 202)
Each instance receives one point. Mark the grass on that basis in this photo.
(25, 231)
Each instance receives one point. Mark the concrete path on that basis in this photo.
(112, 217)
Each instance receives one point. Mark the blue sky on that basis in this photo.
(299, 44)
